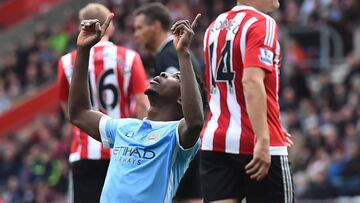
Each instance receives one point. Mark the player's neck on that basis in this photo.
(258, 5)
(163, 110)
(246, 3)
(163, 113)
(105, 38)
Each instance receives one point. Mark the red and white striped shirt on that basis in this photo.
(240, 38)
(116, 74)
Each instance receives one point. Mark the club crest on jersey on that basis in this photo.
(152, 138)
(266, 56)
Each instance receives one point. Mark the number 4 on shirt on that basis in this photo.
(224, 72)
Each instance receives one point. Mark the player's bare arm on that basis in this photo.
(289, 142)
(255, 99)
(192, 106)
(80, 113)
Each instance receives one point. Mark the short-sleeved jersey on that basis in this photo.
(238, 39)
(147, 160)
(116, 74)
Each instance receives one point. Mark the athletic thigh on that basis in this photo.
(276, 187)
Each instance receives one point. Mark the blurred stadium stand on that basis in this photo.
(320, 93)
(41, 46)
(17, 10)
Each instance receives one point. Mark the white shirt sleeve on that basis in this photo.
(186, 153)
(105, 138)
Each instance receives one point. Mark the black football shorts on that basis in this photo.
(223, 177)
(88, 178)
(190, 186)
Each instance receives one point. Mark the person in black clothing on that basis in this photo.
(152, 30)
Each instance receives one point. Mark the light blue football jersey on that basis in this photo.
(147, 161)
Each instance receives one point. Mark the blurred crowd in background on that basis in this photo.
(319, 105)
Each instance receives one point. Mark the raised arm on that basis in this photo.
(80, 113)
(192, 106)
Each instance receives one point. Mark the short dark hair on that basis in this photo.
(203, 93)
(155, 12)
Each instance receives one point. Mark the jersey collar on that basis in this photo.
(243, 7)
(156, 124)
(103, 43)
(164, 43)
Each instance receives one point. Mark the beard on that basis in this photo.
(149, 45)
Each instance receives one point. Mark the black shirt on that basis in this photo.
(167, 61)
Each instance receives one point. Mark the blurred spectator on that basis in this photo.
(5, 101)
(36, 156)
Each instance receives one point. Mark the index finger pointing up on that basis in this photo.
(107, 21)
(195, 22)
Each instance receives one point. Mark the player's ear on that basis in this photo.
(157, 25)
(111, 30)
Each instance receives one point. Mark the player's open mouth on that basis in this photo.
(154, 82)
